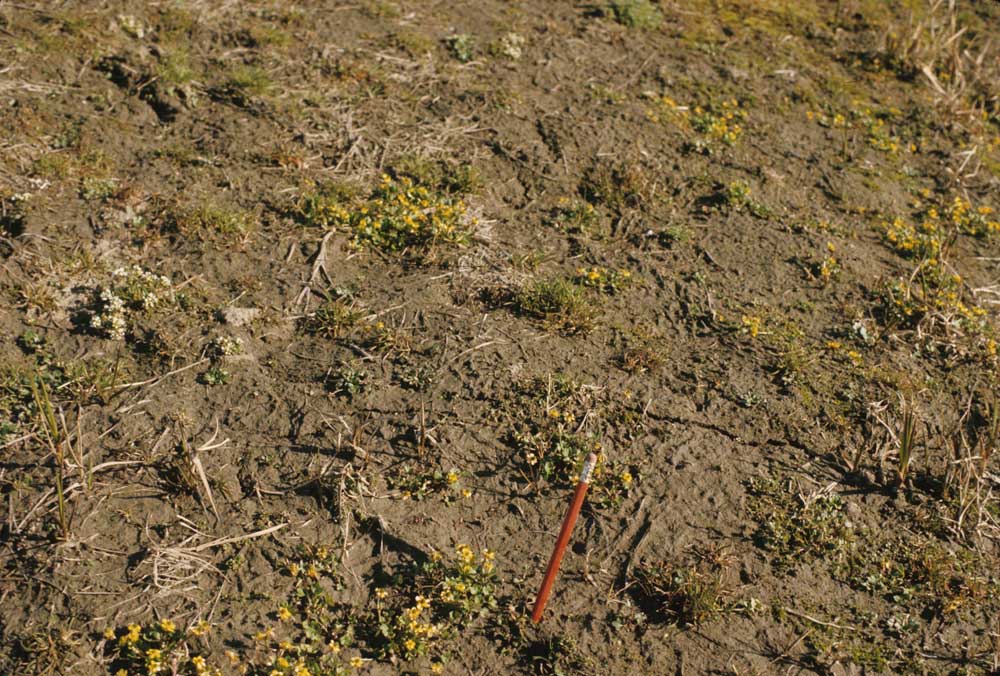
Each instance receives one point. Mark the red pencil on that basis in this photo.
(563, 540)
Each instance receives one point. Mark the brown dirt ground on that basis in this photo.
(748, 375)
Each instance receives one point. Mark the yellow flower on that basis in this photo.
(109, 634)
(234, 659)
(466, 493)
(284, 614)
(282, 663)
(132, 636)
(437, 668)
(294, 570)
(333, 646)
(410, 644)
(627, 478)
(356, 662)
(168, 626)
(452, 477)
(200, 628)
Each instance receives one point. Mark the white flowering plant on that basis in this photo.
(132, 291)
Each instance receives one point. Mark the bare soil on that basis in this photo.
(675, 243)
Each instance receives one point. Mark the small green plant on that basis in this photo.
(245, 83)
(174, 69)
(692, 592)
(557, 302)
(461, 47)
(157, 648)
(907, 441)
(618, 186)
(131, 292)
(576, 217)
(327, 207)
(510, 46)
(310, 633)
(797, 527)
(642, 14)
(215, 376)
(716, 122)
(55, 440)
(604, 280)
(209, 221)
(349, 380)
(418, 485)
(737, 197)
(549, 453)
(93, 188)
(449, 596)
(402, 215)
(226, 346)
(333, 319)
(642, 356)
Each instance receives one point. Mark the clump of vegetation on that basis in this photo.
(796, 527)
(227, 346)
(692, 592)
(159, 647)
(919, 572)
(604, 280)
(461, 47)
(409, 618)
(418, 485)
(216, 375)
(325, 207)
(559, 303)
(510, 45)
(717, 123)
(933, 296)
(399, 215)
(312, 633)
(737, 197)
(438, 175)
(349, 380)
(207, 221)
(618, 186)
(451, 595)
(132, 291)
(93, 188)
(548, 452)
(576, 217)
(333, 319)
(245, 83)
(643, 353)
(636, 13)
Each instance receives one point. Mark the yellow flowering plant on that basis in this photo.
(418, 485)
(157, 648)
(401, 214)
